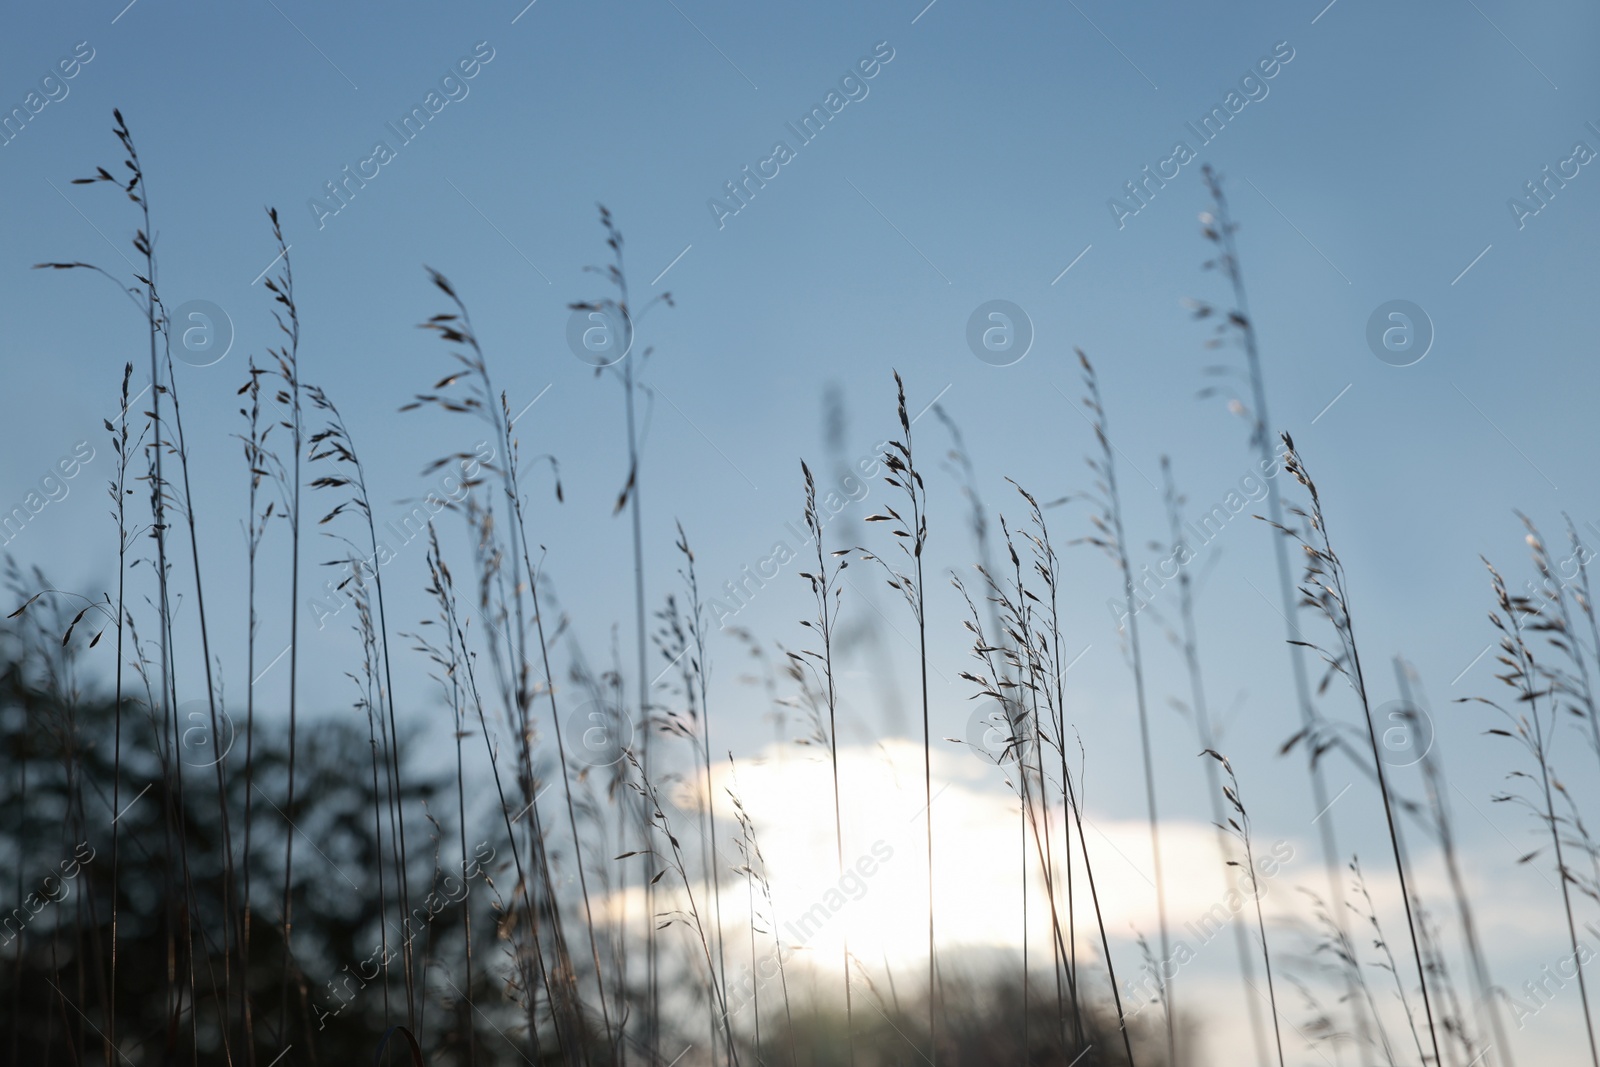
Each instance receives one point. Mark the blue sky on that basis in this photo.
(978, 165)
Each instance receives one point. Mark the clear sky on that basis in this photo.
(978, 162)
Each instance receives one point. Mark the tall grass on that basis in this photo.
(1111, 537)
(1324, 588)
(136, 190)
(1533, 724)
(1238, 824)
(754, 869)
(1218, 227)
(174, 953)
(1487, 1000)
(287, 356)
(1205, 731)
(335, 444)
(260, 463)
(505, 610)
(911, 531)
(625, 318)
(1023, 674)
(827, 593)
(696, 691)
(672, 859)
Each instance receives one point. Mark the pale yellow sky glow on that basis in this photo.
(788, 791)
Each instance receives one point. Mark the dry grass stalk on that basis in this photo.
(1219, 227)
(1111, 538)
(1189, 643)
(911, 532)
(1238, 825)
(1324, 589)
(1532, 729)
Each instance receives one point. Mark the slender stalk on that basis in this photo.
(288, 359)
(1113, 540)
(700, 671)
(1380, 941)
(626, 321)
(1220, 229)
(653, 1023)
(1041, 649)
(144, 243)
(1324, 587)
(377, 741)
(911, 533)
(826, 592)
(261, 463)
(613, 1045)
(673, 861)
(1523, 675)
(510, 478)
(755, 1013)
(1027, 733)
(1433, 778)
(459, 716)
(1025, 652)
(1203, 728)
(442, 587)
(135, 189)
(386, 698)
(513, 670)
(1105, 942)
(180, 448)
(335, 443)
(756, 867)
(1240, 828)
(1047, 565)
(119, 491)
(1582, 555)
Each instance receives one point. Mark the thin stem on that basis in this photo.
(1203, 728)
(1326, 574)
(1116, 543)
(1221, 231)
(826, 594)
